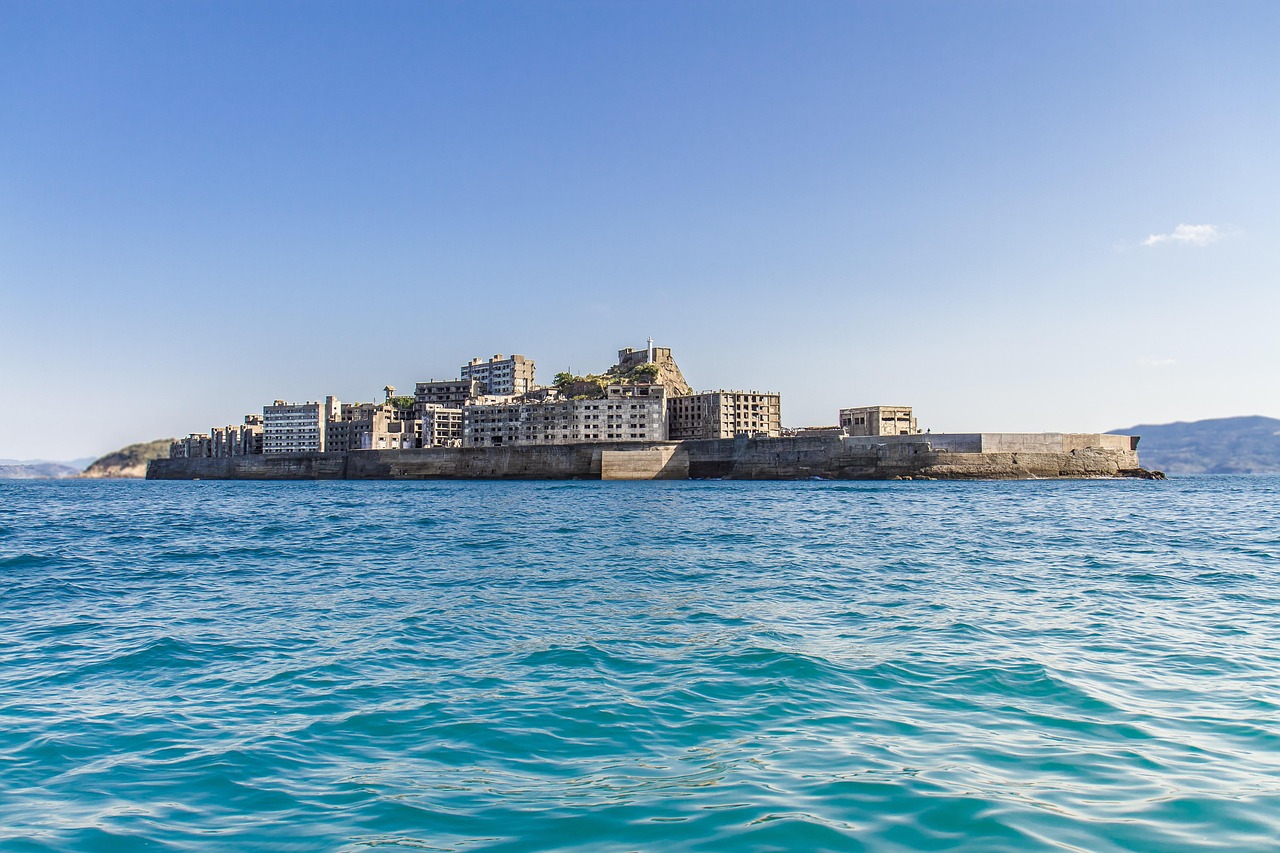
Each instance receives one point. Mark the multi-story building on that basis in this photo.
(725, 414)
(452, 393)
(439, 426)
(243, 439)
(194, 446)
(296, 427)
(625, 413)
(878, 420)
(501, 376)
(372, 426)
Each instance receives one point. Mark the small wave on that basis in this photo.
(586, 656)
(182, 556)
(28, 561)
(785, 666)
(162, 653)
(1225, 577)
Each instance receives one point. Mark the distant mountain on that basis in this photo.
(14, 470)
(77, 464)
(128, 461)
(1246, 445)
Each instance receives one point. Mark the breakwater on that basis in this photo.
(1002, 456)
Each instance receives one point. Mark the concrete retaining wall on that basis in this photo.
(823, 456)
(658, 463)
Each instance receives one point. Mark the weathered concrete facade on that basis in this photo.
(296, 427)
(725, 414)
(512, 375)
(244, 439)
(373, 426)
(625, 413)
(451, 393)
(439, 426)
(197, 445)
(971, 456)
(878, 420)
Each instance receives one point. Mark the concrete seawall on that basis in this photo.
(826, 456)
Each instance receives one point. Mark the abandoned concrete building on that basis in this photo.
(625, 413)
(501, 376)
(296, 427)
(878, 420)
(451, 393)
(725, 414)
(496, 403)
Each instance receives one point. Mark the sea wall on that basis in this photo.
(826, 456)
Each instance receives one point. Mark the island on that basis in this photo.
(638, 420)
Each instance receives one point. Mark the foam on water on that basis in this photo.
(705, 666)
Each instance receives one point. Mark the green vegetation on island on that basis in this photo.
(592, 386)
(129, 462)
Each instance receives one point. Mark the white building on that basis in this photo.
(296, 427)
(501, 376)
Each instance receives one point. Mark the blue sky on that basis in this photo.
(1013, 216)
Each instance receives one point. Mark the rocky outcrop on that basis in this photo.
(128, 462)
(635, 366)
(669, 375)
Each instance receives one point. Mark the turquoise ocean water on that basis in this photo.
(640, 666)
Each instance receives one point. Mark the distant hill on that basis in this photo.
(1246, 445)
(10, 470)
(129, 461)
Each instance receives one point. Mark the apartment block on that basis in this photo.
(439, 426)
(625, 413)
(296, 427)
(244, 439)
(501, 376)
(194, 446)
(725, 414)
(372, 426)
(450, 393)
(878, 420)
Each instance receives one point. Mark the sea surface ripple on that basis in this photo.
(1087, 665)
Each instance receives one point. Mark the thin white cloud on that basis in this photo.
(1152, 361)
(1190, 235)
